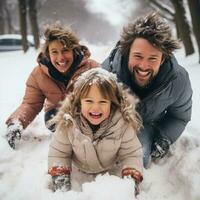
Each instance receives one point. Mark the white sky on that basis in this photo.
(114, 11)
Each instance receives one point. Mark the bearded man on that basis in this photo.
(143, 60)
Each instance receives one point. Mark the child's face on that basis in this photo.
(61, 57)
(94, 107)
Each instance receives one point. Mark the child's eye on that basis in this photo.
(103, 102)
(88, 101)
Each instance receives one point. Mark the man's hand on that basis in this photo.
(14, 132)
(160, 148)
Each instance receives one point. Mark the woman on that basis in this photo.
(61, 61)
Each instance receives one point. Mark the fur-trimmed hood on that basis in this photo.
(127, 102)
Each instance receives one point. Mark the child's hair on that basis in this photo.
(59, 32)
(109, 88)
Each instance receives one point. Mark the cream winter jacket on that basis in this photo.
(115, 140)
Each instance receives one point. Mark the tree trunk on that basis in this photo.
(9, 20)
(23, 25)
(2, 16)
(33, 22)
(183, 27)
(194, 7)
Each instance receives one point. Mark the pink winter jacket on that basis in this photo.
(78, 145)
(44, 91)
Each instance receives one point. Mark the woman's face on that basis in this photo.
(94, 107)
(60, 56)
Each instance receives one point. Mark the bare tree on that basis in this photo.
(33, 21)
(23, 26)
(183, 27)
(177, 12)
(24, 6)
(2, 16)
(194, 7)
(9, 20)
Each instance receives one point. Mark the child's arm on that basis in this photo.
(131, 156)
(59, 160)
(130, 152)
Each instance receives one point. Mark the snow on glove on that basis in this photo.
(60, 178)
(136, 175)
(160, 148)
(14, 131)
(61, 182)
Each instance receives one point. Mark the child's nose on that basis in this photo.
(95, 106)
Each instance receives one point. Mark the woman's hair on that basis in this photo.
(109, 88)
(153, 28)
(61, 33)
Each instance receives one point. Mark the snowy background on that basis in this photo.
(23, 172)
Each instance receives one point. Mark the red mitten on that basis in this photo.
(60, 178)
(136, 175)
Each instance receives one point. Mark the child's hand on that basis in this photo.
(137, 188)
(60, 178)
(136, 175)
(61, 182)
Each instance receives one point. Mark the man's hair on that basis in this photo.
(60, 33)
(152, 28)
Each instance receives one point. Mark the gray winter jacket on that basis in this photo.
(167, 104)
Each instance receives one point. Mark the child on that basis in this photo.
(96, 127)
(60, 62)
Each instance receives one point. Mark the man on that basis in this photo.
(143, 60)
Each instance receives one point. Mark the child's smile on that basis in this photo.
(94, 107)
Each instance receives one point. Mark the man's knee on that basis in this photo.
(146, 137)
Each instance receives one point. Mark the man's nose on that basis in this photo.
(144, 64)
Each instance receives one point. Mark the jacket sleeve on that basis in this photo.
(60, 150)
(179, 113)
(130, 153)
(113, 60)
(106, 65)
(32, 103)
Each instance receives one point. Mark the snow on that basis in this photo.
(120, 11)
(23, 172)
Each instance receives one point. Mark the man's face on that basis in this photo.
(144, 61)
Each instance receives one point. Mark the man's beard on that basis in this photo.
(134, 79)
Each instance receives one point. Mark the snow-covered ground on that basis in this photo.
(23, 172)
